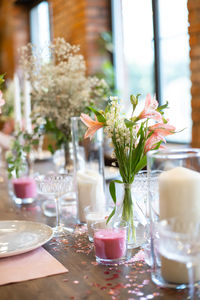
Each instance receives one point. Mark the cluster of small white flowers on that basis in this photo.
(60, 87)
(116, 129)
(40, 121)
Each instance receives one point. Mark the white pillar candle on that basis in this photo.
(179, 192)
(27, 106)
(17, 103)
(90, 191)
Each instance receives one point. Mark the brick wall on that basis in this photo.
(78, 21)
(81, 22)
(194, 31)
(14, 33)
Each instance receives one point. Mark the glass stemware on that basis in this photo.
(179, 240)
(55, 185)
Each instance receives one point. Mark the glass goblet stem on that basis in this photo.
(57, 212)
(190, 268)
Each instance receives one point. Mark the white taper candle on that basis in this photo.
(17, 103)
(27, 106)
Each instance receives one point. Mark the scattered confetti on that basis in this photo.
(146, 281)
(131, 276)
(94, 263)
(113, 277)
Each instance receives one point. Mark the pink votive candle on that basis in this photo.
(24, 187)
(110, 243)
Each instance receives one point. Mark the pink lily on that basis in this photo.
(152, 142)
(92, 125)
(162, 129)
(149, 110)
(2, 101)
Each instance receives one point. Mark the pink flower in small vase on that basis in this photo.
(92, 125)
(2, 101)
(149, 110)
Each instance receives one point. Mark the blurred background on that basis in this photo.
(136, 46)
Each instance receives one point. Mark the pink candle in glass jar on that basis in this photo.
(110, 243)
(24, 187)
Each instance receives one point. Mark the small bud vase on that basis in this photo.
(130, 210)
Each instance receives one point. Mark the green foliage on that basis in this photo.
(20, 150)
(2, 79)
(60, 137)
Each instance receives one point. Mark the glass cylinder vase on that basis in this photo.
(88, 168)
(178, 197)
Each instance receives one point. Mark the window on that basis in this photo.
(174, 65)
(155, 55)
(40, 24)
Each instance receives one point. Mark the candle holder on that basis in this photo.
(88, 168)
(110, 242)
(23, 189)
(93, 215)
(178, 197)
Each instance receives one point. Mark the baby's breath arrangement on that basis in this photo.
(60, 87)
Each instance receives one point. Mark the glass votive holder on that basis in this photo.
(110, 242)
(24, 190)
(93, 215)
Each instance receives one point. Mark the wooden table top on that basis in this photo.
(85, 279)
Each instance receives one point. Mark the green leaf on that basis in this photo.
(10, 169)
(113, 191)
(141, 164)
(128, 123)
(99, 116)
(35, 142)
(50, 148)
(2, 78)
(118, 181)
(111, 215)
(27, 148)
(163, 106)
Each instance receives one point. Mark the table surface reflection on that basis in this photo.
(85, 279)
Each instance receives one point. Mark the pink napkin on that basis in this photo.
(34, 264)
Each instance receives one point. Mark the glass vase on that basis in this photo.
(88, 168)
(130, 209)
(178, 197)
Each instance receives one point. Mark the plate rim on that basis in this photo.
(16, 252)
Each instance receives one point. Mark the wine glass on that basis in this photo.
(179, 240)
(55, 185)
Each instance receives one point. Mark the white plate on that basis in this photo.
(18, 237)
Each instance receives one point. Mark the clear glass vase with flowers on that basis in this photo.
(131, 139)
